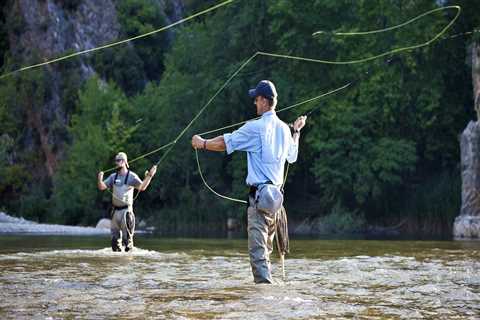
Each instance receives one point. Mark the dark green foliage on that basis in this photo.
(434, 204)
(380, 152)
(139, 17)
(20, 101)
(123, 66)
(131, 65)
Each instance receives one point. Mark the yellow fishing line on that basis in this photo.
(290, 57)
(116, 43)
(348, 62)
(172, 143)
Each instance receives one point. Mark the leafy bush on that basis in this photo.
(340, 221)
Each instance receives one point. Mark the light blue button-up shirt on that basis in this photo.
(268, 143)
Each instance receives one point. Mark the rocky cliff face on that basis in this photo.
(476, 76)
(42, 30)
(467, 224)
(52, 28)
(47, 30)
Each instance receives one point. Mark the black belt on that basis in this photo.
(255, 187)
(119, 208)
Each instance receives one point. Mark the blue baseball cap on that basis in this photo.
(265, 89)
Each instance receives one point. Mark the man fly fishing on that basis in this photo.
(123, 182)
(268, 143)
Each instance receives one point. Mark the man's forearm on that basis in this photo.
(101, 185)
(296, 137)
(145, 183)
(215, 144)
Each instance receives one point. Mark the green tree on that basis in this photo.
(375, 140)
(201, 59)
(123, 66)
(98, 130)
(142, 16)
(385, 146)
(24, 183)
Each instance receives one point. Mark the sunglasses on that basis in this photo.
(118, 160)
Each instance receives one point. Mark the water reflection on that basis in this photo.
(210, 279)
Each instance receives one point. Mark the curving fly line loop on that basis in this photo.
(437, 36)
(172, 143)
(387, 53)
(210, 188)
(348, 62)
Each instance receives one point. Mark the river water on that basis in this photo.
(80, 278)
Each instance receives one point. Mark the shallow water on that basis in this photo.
(79, 278)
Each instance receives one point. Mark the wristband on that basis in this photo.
(205, 144)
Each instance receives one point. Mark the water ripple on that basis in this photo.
(429, 283)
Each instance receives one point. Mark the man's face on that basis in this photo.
(119, 163)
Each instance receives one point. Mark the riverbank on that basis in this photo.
(14, 225)
(322, 227)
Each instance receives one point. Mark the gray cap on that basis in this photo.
(122, 156)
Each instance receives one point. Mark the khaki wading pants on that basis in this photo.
(122, 228)
(261, 231)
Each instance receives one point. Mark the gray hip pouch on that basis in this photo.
(269, 198)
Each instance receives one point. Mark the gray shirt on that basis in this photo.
(122, 194)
